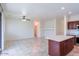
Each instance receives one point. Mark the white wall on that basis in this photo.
(49, 28)
(61, 26)
(74, 18)
(17, 29)
(42, 26)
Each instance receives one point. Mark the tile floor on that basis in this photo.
(31, 47)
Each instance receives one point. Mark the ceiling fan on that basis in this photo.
(24, 18)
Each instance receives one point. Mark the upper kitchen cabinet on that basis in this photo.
(73, 24)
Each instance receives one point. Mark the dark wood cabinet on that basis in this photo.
(60, 48)
(73, 24)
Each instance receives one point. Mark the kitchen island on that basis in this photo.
(60, 45)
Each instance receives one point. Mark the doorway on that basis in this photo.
(36, 28)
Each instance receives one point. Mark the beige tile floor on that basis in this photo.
(30, 47)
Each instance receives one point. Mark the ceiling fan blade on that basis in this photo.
(28, 19)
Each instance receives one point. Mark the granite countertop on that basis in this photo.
(59, 38)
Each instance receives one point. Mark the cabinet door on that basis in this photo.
(72, 25)
(68, 45)
(77, 22)
(53, 48)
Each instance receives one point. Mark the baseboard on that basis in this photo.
(25, 38)
(17, 38)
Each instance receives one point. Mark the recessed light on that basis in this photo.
(23, 13)
(62, 8)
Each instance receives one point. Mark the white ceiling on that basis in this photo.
(42, 10)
